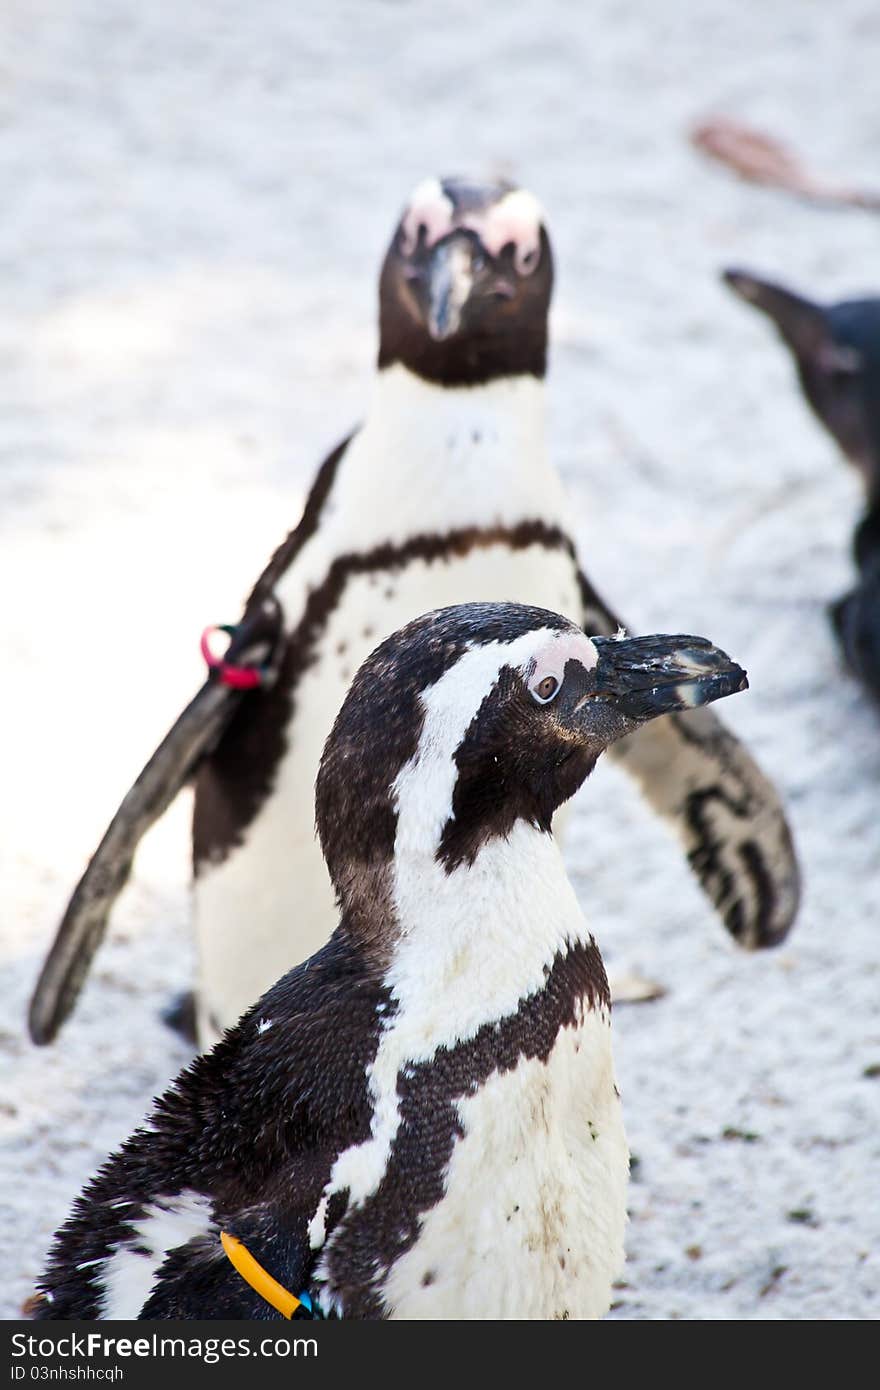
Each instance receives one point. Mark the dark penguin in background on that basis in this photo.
(836, 349)
(422, 1120)
(444, 495)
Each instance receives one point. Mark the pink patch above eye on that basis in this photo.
(551, 658)
(505, 223)
(433, 211)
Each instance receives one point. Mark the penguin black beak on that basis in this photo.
(764, 294)
(643, 677)
(450, 282)
(801, 323)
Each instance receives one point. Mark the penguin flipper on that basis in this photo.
(85, 919)
(708, 788)
(195, 734)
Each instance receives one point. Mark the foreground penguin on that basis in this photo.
(421, 1121)
(836, 349)
(444, 495)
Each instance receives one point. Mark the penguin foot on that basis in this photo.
(180, 1015)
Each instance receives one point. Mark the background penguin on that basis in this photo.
(421, 1121)
(444, 495)
(836, 349)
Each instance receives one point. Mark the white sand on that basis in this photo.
(195, 202)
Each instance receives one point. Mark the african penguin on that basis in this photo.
(444, 495)
(836, 349)
(422, 1120)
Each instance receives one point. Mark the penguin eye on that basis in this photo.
(546, 689)
(526, 261)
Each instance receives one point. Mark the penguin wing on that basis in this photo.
(195, 733)
(193, 1280)
(708, 788)
(243, 1142)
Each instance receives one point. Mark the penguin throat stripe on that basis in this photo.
(250, 759)
(253, 1273)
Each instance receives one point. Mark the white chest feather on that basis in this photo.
(532, 1220)
(445, 459)
(428, 461)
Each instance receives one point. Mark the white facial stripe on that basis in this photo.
(516, 217)
(552, 658)
(424, 786)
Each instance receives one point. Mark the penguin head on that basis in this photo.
(476, 717)
(837, 353)
(465, 288)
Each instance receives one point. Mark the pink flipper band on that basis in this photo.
(236, 677)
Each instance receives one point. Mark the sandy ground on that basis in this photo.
(196, 199)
